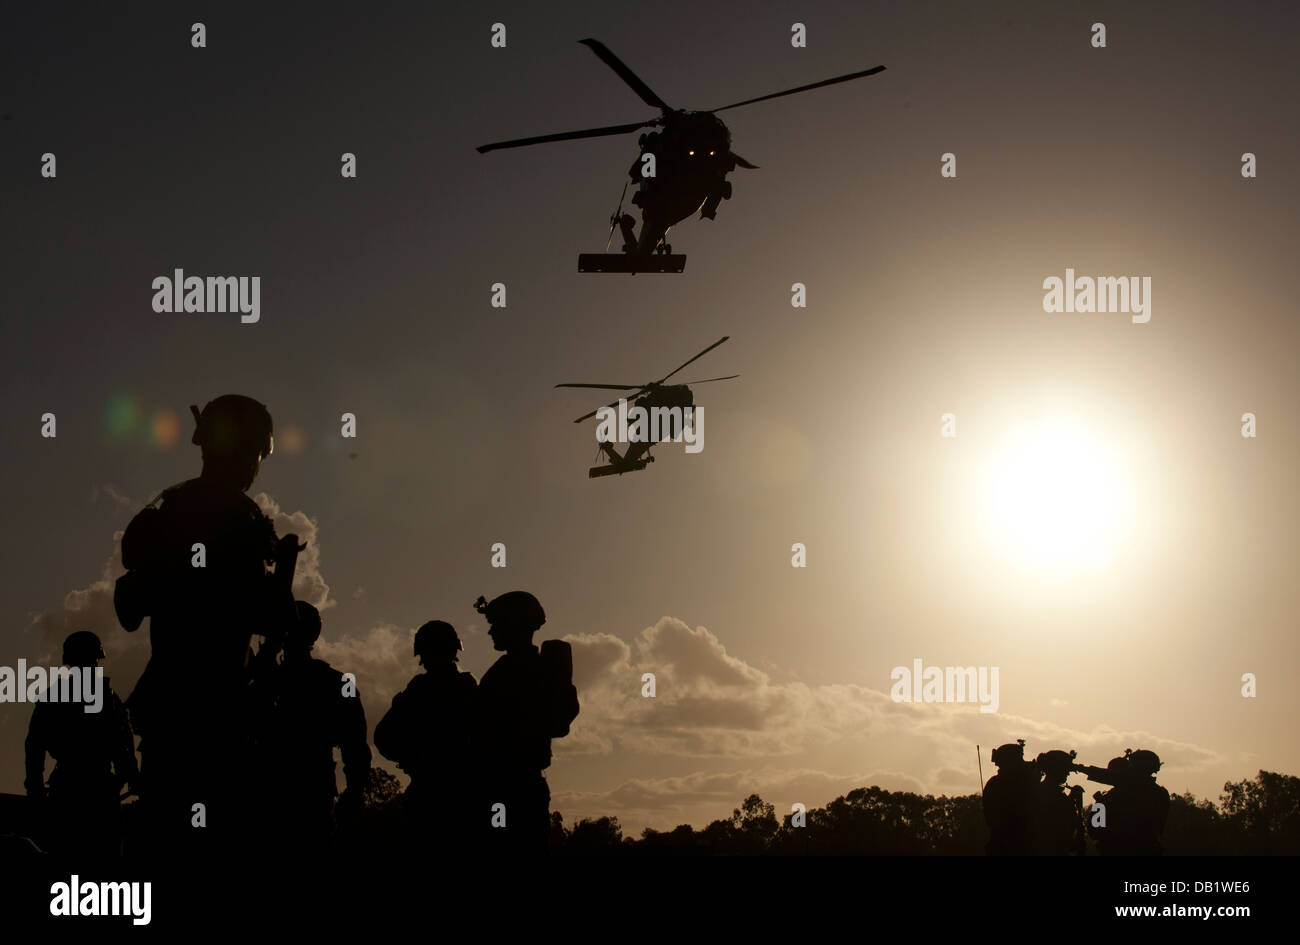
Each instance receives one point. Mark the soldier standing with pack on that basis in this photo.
(1009, 802)
(1148, 804)
(198, 561)
(525, 699)
(1058, 814)
(1136, 806)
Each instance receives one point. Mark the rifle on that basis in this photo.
(286, 554)
(1079, 841)
(1093, 773)
(1113, 774)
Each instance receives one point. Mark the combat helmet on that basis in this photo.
(1144, 763)
(1119, 768)
(82, 649)
(1056, 760)
(516, 608)
(233, 425)
(1010, 753)
(436, 638)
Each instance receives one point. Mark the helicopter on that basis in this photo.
(682, 168)
(659, 401)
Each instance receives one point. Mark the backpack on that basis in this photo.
(561, 696)
(392, 736)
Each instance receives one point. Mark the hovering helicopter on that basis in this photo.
(691, 157)
(666, 402)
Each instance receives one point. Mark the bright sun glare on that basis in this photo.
(1058, 500)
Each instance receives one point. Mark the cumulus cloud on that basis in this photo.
(711, 704)
(380, 658)
(91, 608)
(708, 703)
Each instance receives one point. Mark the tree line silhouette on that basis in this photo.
(1255, 817)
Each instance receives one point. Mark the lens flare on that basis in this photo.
(166, 428)
(122, 418)
(291, 440)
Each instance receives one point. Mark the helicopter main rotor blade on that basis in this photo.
(564, 136)
(708, 379)
(803, 88)
(696, 358)
(606, 386)
(627, 75)
(588, 416)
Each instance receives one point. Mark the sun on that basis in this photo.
(1057, 499)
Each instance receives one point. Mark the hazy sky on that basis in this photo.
(1099, 530)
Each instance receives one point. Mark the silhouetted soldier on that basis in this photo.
(1149, 803)
(1136, 807)
(197, 560)
(315, 712)
(649, 144)
(427, 733)
(1058, 813)
(525, 699)
(94, 755)
(1009, 802)
(1117, 773)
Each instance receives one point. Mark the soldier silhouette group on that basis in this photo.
(237, 743)
(1029, 810)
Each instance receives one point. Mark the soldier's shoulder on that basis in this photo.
(247, 503)
(462, 685)
(322, 670)
(183, 502)
(421, 684)
(177, 493)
